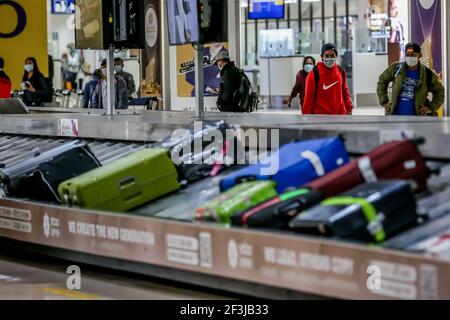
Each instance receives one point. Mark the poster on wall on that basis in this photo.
(151, 56)
(23, 33)
(426, 30)
(63, 6)
(186, 69)
(397, 27)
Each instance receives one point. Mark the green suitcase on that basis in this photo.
(238, 199)
(123, 184)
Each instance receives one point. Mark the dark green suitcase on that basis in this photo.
(123, 184)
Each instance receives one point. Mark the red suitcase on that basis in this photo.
(394, 160)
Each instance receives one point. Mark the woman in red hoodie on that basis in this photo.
(326, 87)
(5, 82)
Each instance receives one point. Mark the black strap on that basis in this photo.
(429, 77)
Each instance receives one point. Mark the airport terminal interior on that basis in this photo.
(224, 149)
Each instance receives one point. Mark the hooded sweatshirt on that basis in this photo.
(5, 85)
(332, 96)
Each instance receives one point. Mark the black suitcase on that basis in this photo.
(276, 213)
(371, 212)
(38, 178)
(198, 164)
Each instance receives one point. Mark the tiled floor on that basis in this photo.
(22, 279)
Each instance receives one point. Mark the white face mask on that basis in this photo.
(308, 68)
(29, 68)
(118, 68)
(412, 61)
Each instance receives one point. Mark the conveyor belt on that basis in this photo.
(152, 246)
(16, 148)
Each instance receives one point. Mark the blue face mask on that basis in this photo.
(308, 68)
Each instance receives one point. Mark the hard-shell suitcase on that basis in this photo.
(371, 212)
(395, 160)
(434, 206)
(241, 198)
(410, 239)
(193, 151)
(297, 164)
(124, 184)
(277, 212)
(38, 178)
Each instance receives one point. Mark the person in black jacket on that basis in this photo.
(229, 97)
(35, 86)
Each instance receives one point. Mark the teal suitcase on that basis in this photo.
(123, 184)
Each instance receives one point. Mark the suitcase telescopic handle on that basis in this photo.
(245, 179)
(419, 141)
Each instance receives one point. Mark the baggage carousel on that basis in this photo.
(161, 240)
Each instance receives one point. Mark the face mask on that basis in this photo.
(308, 68)
(412, 61)
(29, 68)
(118, 68)
(330, 62)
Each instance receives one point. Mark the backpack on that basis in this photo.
(248, 97)
(429, 74)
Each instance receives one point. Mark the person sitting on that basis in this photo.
(5, 82)
(35, 86)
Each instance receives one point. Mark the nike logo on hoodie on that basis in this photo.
(325, 87)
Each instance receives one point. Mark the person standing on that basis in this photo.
(90, 88)
(300, 81)
(5, 82)
(412, 82)
(327, 90)
(71, 66)
(128, 77)
(229, 98)
(99, 95)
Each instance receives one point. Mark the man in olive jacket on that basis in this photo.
(412, 82)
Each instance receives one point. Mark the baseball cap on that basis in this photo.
(414, 46)
(329, 46)
(222, 55)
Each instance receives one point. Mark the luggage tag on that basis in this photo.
(366, 169)
(217, 165)
(375, 220)
(314, 159)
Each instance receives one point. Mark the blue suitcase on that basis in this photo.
(299, 164)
